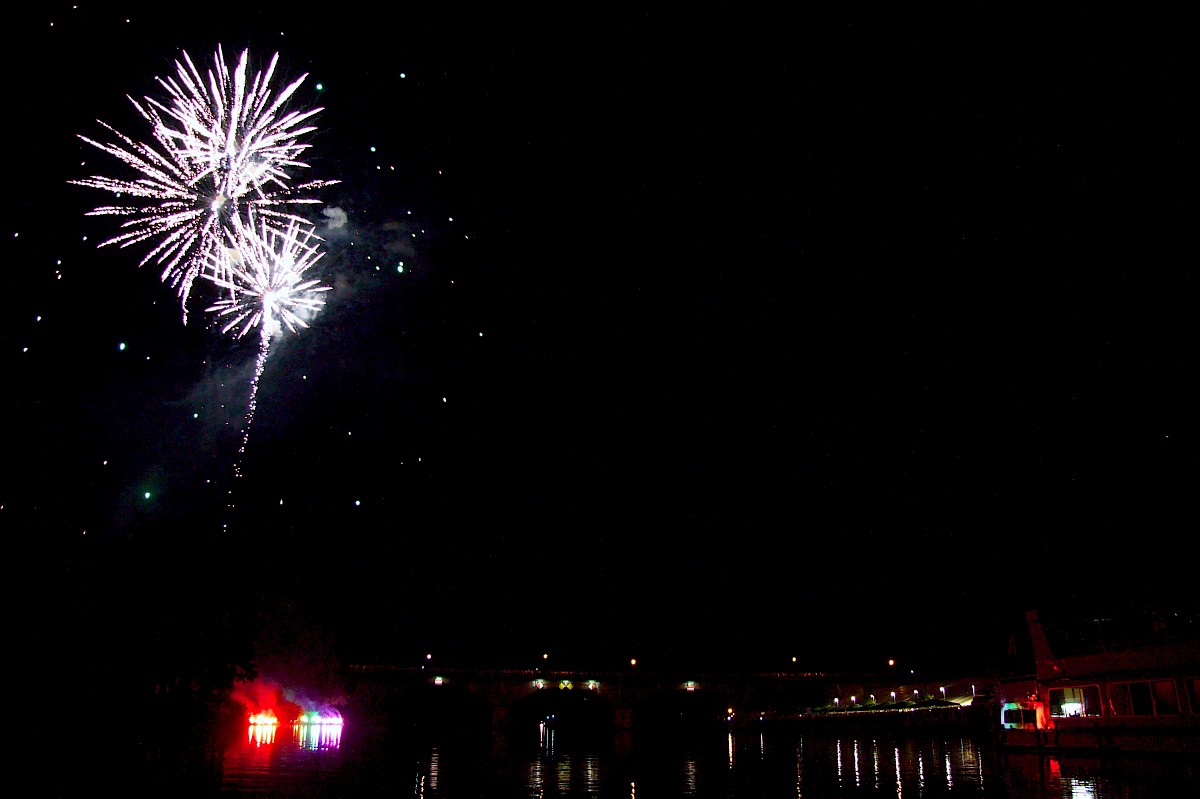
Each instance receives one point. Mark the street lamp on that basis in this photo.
(943, 690)
(893, 697)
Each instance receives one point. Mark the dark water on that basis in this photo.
(362, 761)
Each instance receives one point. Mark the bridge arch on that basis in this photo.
(577, 713)
(507, 701)
(678, 710)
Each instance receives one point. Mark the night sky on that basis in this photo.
(716, 337)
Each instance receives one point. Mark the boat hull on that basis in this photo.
(1106, 739)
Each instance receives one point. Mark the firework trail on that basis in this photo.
(221, 154)
(263, 273)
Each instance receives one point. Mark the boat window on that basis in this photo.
(1019, 718)
(1082, 700)
(1145, 698)
(1166, 702)
(1131, 699)
(1118, 699)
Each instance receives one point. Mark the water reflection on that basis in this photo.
(690, 770)
(262, 734)
(296, 760)
(317, 735)
(305, 734)
(571, 772)
(881, 767)
(731, 765)
(428, 783)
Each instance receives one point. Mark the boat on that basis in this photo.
(1138, 695)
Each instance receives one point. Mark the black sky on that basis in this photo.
(768, 334)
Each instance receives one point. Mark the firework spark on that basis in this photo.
(262, 274)
(221, 154)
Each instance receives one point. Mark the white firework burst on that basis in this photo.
(222, 152)
(262, 274)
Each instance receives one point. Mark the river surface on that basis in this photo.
(745, 763)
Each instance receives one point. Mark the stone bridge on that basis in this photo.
(503, 700)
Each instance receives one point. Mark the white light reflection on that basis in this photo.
(262, 734)
(857, 769)
(1081, 789)
(949, 773)
(591, 775)
(730, 744)
(899, 782)
(800, 769)
(563, 776)
(972, 755)
(689, 777)
(537, 779)
(546, 738)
